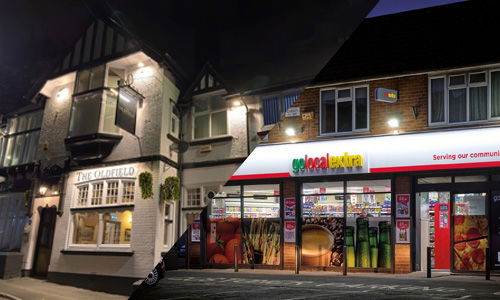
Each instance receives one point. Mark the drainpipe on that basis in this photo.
(247, 114)
(179, 170)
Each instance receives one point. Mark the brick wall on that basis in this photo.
(412, 94)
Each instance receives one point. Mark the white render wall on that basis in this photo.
(144, 235)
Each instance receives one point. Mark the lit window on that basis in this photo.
(116, 228)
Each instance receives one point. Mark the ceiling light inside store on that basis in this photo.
(393, 123)
(290, 131)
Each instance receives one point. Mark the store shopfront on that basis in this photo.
(385, 198)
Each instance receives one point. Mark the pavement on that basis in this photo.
(277, 284)
(27, 288)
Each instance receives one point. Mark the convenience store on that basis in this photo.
(386, 198)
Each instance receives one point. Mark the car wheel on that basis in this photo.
(152, 278)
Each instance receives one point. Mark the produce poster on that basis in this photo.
(290, 231)
(261, 241)
(402, 206)
(322, 241)
(195, 231)
(403, 231)
(289, 208)
(470, 242)
(224, 235)
(495, 233)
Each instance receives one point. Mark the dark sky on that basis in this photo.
(269, 36)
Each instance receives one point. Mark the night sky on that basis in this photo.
(35, 35)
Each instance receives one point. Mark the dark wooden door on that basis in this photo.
(44, 240)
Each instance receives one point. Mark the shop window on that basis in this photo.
(168, 227)
(433, 180)
(461, 98)
(209, 117)
(344, 110)
(102, 228)
(470, 235)
(19, 145)
(261, 201)
(274, 106)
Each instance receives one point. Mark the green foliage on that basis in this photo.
(27, 198)
(171, 189)
(146, 185)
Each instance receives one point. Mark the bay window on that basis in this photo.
(99, 218)
(462, 98)
(344, 110)
(94, 101)
(210, 117)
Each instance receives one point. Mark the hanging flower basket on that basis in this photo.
(171, 189)
(146, 185)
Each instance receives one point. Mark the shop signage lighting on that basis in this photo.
(386, 95)
(327, 161)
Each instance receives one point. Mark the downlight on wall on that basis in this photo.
(290, 131)
(394, 123)
(62, 95)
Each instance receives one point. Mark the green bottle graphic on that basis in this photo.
(349, 242)
(372, 234)
(384, 250)
(362, 243)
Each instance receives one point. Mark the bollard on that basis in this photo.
(297, 259)
(344, 260)
(429, 249)
(236, 258)
(488, 265)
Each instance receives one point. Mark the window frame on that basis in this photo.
(90, 191)
(174, 117)
(352, 98)
(208, 112)
(467, 85)
(186, 199)
(170, 220)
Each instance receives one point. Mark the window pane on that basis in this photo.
(97, 77)
(361, 98)
(437, 100)
(110, 113)
(200, 105)
(128, 191)
(201, 129)
(261, 190)
(477, 78)
(229, 191)
(261, 207)
(328, 111)
(219, 123)
(30, 147)
(289, 99)
(345, 93)
(12, 219)
(216, 103)
(345, 116)
(97, 193)
(13, 125)
(431, 180)
(8, 151)
(85, 114)
(193, 197)
(112, 192)
(167, 232)
(117, 227)
(369, 186)
(83, 195)
(495, 94)
(85, 228)
(18, 150)
(223, 230)
(471, 178)
(369, 205)
(271, 110)
(261, 240)
(322, 206)
(478, 103)
(457, 80)
(323, 187)
(457, 106)
(23, 123)
(82, 83)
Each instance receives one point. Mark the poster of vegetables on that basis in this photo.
(322, 241)
(261, 241)
(470, 242)
(223, 235)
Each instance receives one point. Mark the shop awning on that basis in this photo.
(454, 149)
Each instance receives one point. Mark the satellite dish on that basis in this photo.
(180, 147)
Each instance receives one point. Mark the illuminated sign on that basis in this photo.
(117, 172)
(386, 95)
(327, 161)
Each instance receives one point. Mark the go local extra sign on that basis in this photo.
(458, 149)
